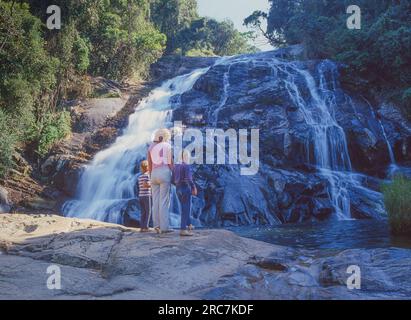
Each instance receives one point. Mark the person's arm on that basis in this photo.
(147, 183)
(190, 180)
(170, 158)
(150, 162)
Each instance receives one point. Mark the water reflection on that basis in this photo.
(349, 234)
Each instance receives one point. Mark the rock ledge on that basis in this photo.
(105, 261)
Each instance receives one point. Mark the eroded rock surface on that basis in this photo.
(289, 100)
(104, 261)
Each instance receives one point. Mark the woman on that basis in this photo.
(160, 166)
(186, 188)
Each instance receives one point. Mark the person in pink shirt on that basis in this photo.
(160, 165)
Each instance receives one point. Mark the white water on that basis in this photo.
(107, 186)
(390, 151)
(328, 138)
(226, 85)
(108, 183)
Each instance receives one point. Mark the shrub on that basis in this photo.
(55, 128)
(8, 142)
(397, 197)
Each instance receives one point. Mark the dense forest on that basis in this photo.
(379, 53)
(116, 39)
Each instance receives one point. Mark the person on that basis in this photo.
(144, 195)
(160, 167)
(186, 188)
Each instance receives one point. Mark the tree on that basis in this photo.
(172, 16)
(216, 38)
(380, 52)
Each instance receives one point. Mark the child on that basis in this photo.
(144, 194)
(186, 188)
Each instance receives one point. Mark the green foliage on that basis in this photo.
(380, 52)
(82, 54)
(191, 35)
(172, 16)
(28, 82)
(111, 38)
(8, 143)
(116, 39)
(217, 38)
(397, 197)
(55, 127)
(200, 52)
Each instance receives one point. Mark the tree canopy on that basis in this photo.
(379, 52)
(116, 39)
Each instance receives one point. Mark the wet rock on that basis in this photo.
(324, 275)
(259, 95)
(171, 66)
(64, 172)
(269, 264)
(101, 139)
(398, 131)
(322, 208)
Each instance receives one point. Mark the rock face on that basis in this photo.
(322, 151)
(104, 261)
(172, 66)
(4, 201)
(96, 124)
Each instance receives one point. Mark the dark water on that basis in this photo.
(328, 235)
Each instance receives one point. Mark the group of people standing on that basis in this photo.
(158, 173)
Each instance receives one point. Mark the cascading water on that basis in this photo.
(107, 184)
(393, 165)
(224, 98)
(328, 138)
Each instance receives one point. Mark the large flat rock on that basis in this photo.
(105, 261)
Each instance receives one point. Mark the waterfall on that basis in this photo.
(384, 134)
(106, 188)
(393, 168)
(226, 85)
(390, 152)
(107, 185)
(329, 142)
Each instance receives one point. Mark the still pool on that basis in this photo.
(349, 234)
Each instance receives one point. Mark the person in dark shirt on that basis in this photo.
(144, 194)
(186, 188)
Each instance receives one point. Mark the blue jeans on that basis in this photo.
(184, 196)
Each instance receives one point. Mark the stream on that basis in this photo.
(348, 234)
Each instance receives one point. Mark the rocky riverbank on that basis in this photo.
(104, 261)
